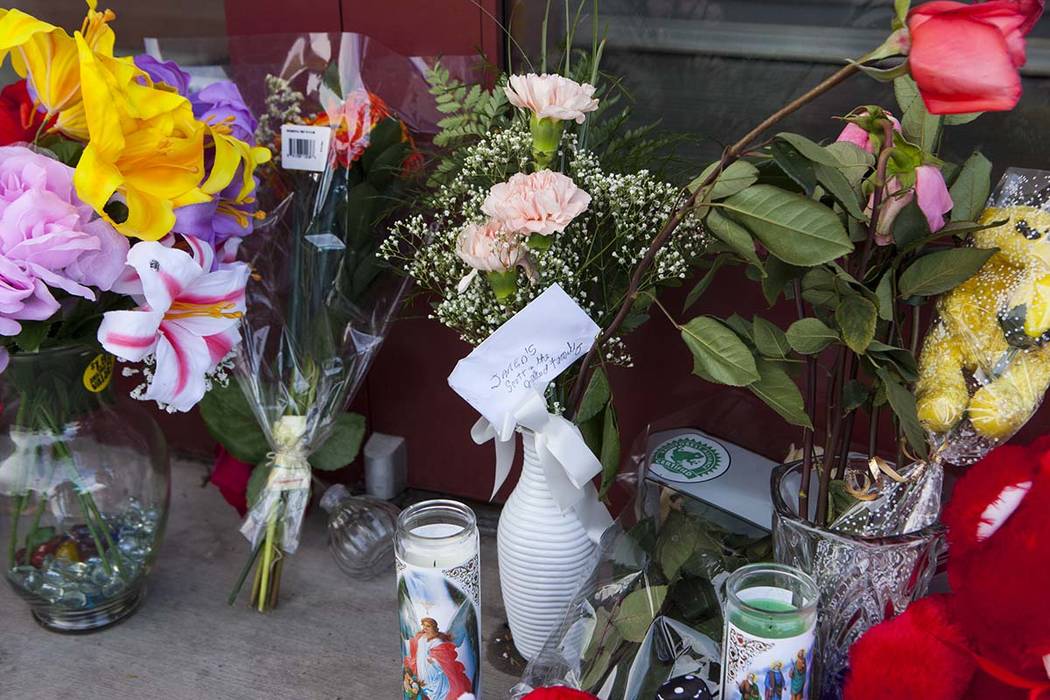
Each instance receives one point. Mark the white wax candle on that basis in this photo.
(436, 546)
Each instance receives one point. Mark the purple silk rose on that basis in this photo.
(49, 240)
(164, 72)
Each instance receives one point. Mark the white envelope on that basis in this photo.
(524, 354)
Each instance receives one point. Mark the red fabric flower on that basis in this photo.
(230, 475)
(965, 58)
(19, 118)
(558, 693)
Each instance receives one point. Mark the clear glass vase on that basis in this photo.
(862, 580)
(84, 483)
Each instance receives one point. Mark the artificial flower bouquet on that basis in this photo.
(124, 197)
(320, 301)
(538, 182)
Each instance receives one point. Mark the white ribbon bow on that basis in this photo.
(567, 463)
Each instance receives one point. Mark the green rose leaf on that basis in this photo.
(733, 235)
(719, 355)
(637, 612)
(742, 327)
(841, 189)
(921, 127)
(610, 456)
(811, 150)
(795, 165)
(884, 293)
(769, 339)
(854, 394)
(902, 402)
(809, 336)
(778, 275)
(856, 318)
(738, 175)
(942, 271)
(698, 291)
(853, 162)
(794, 228)
(676, 542)
(232, 423)
(342, 445)
(595, 397)
(781, 394)
(256, 482)
(971, 188)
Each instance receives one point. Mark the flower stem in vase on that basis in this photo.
(12, 545)
(269, 569)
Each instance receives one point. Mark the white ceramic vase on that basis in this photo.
(543, 554)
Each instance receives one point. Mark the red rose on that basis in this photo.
(19, 118)
(558, 692)
(231, 476)
(965, 58)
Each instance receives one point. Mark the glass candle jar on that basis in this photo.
(439, 599)
(770, 627)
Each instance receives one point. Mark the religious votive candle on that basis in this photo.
(770, 626)
(439, 601)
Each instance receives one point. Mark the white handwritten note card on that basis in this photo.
(536, 345)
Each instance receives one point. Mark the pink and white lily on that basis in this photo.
(188, 318)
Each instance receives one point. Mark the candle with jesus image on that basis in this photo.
(439, 601)
(770, 626)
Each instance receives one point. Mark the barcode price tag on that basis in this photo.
(305, 147)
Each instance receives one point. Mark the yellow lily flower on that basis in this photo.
(230, 154)
(48, 58)
(144, 146)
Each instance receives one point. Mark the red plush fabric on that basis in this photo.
(558, 693)
(986, 640)
(908, 657)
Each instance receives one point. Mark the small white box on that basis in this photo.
(386, 466)
(714, 471)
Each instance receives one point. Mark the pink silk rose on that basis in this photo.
(933, 198)
(49, 240)
(965, 58)
(543, 202)
(860, 137)
(551, 96)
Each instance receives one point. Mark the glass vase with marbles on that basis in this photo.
(85, 477)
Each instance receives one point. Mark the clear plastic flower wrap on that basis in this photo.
(650, 610)
(985, 363)
(341, 113)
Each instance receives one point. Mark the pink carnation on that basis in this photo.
(488, 248)
(551, 96)
(544, 202)
(49, 240)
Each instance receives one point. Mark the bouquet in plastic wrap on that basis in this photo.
(319, 301)
(985, 364)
